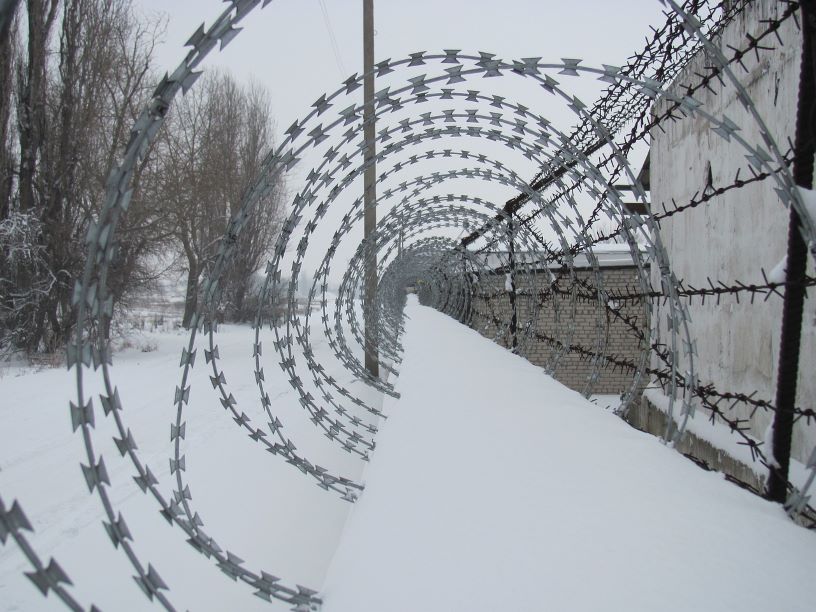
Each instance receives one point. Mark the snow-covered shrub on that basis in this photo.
(25, 278)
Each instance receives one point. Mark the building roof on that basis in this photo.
(608, 256)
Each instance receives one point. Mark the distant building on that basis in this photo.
(594, 330)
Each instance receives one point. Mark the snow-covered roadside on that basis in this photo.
(262, 509)
(719, 435)
(496, 488)
(492, 488)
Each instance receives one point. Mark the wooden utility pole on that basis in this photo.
(370, 192)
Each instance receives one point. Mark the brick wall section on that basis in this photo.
(573, 370)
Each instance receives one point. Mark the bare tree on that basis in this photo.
(214, 148)
(8, 56)
(32, 85)
(72, 84)
(76, 96)
(263, 226)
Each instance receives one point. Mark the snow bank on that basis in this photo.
(496, 488)
(253, 503)
(719, 435)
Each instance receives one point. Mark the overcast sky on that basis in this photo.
(287, 47)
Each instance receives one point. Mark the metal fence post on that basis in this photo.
(788, 369)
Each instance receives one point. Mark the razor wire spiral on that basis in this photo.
(429, 110)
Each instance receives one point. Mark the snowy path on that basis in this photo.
(495, 488)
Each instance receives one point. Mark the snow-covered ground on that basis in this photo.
(492, 488)
(255, 505)
(719, 435)
(496, 488)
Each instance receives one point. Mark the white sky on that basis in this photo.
(286, 47)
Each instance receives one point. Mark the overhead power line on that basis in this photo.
(335, 47)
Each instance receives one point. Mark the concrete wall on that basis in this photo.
(572, 370)
(735, 236)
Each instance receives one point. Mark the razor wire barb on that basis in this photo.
(431, 120)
